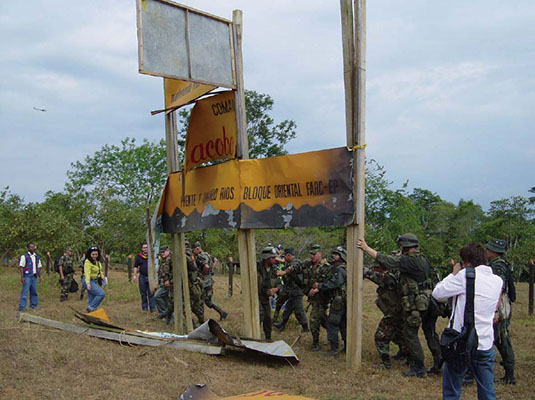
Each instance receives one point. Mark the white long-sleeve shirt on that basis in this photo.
(488, 288)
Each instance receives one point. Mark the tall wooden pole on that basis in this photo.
(354, 49)
(180, 271)
(246, 240)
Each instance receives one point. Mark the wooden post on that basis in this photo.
(129, 267)
(246, 241)
(180, 269)
(48, 263)
(230, 276)
(530, 295)
(106, 264)
(354, 49)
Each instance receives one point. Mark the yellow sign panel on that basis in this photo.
(307, 189)
(212, 131)
(177, 92)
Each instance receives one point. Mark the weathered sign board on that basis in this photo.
(211, 131)
(179, 42)
(306, 189)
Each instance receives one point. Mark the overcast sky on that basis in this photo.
(450, 87)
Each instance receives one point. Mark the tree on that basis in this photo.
(266, 139)
(130, 172)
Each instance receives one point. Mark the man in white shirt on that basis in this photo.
(30, 271)
(487, 289)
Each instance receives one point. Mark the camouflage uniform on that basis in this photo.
(335, 288)
(415, 272)
(502, 339)
(195, 288)
(390, 328)
(203, 259)
(292, 286)
(161, 296)
(66, 263)
(282, 295)
(319, 273)
(267, 279)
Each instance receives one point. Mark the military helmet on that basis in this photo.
(268, 252)
(341, 252)
(407, 240)
(315, 248)
(498, 246)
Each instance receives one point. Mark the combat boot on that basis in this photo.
(315, 345)
(305, 327)
(417, 370)
(169, 319)
(280, 326)
(385, 359)
(223, 315)
(333, 351)
(437, 367)
(508, 378)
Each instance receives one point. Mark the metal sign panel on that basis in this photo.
(175, 41)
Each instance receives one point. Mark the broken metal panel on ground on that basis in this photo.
(209, 338)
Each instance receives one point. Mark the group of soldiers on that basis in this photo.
(200, 267)
(405, 281)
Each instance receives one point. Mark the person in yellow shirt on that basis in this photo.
(93, 278)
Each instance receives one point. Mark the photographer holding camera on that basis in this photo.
(93, 279)
(485, 294)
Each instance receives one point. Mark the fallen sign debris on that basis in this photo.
(203, 392)
(209, 338)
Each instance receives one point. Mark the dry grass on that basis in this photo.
(43, 363)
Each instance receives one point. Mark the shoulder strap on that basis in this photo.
(470, 293)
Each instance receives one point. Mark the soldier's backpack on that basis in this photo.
(56, 265)
(74, 286)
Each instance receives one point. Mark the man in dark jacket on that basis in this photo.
(141, 265)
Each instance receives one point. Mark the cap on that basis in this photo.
(268, 252)
(289, 250)
(407, 240)
(315, 248)
(496, 245)
(195, 245)
(279, 247)
(68, 248)
(163, 248)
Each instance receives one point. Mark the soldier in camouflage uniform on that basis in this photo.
(495, 251)
(267, 287)
(161, 297)
(66, 273)
(316, 270)
(292, 284)
(389, 302)
(334, 288)
(195, 286)
(206, 271)
(416, 287)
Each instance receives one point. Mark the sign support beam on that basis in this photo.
(246, 239)
(354, 49)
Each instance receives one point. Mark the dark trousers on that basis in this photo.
(295, 305)
(147, 299)
(429, 320)
(265, 316)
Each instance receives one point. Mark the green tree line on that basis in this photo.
(106, 196)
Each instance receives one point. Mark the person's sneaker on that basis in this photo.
(385, 359)
(223, 316)
(415, 372)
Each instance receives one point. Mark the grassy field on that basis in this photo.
(42, 363)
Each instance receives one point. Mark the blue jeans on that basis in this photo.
(29, 285)
(95, 295)
(482, 366)
(145, 292)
